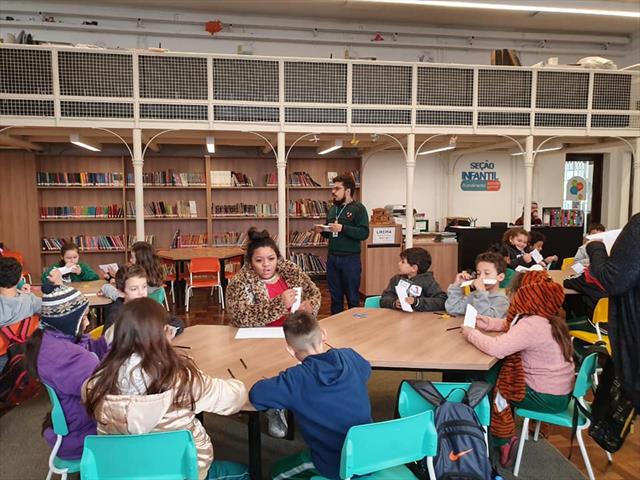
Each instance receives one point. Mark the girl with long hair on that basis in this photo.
(144, 385)
(142, 254)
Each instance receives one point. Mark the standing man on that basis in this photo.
(348, 226)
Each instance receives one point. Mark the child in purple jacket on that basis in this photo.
(63, 358)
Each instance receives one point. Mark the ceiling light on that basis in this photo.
(211, 144)
(512, 7)
(548, 149)
(451, 146)
(337, 144)
(76, 139)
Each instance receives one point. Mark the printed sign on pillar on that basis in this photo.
(480, 177)
(576, 190)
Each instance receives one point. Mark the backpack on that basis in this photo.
(17, 385)
(462, 448)
(612, 414)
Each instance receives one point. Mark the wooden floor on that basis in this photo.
(626, 462)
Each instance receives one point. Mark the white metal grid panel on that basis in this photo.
(315, 82)
(25, 71)
(158, 111)
(615, 121)
(568, 90)
(561, 120)
(173, 78)
(378, 116)
(444, 118)
(381, 84)
(83, 109)
(503, 119)
(612, 92)
(95, 74)
(445, 86)
(504, 88)
(245, 80)
(26, 108)
(315, 115)
(240, 113)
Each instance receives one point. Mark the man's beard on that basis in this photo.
(338, 202)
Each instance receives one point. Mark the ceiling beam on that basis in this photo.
(19, 142)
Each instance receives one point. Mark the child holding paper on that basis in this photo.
(486, 297)
(537, 372)
(516, 239)
(75, 271)
(536, 243)
(423, 292)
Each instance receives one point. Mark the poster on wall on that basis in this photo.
(576, 190)
(480, 177)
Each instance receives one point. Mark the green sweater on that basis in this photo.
(355, 227)
(86, 273)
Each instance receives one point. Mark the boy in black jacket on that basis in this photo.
(425, 295)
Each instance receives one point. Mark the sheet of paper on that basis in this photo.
(467, 283)
(608, 238)
(325, 228)
(402, 296)
(105, 268)
(501, 402)
(296, 304)
(578, 268)
(536, 268)
(537, 257)
(489, 281)
(470, 317)
(259, 332)
(90, 294)
(520, 268)
(64, 270)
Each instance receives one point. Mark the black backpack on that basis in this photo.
(462, 448)
(17, 385)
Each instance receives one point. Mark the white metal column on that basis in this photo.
(138, 162)
(528, 181)
(635, 206)
(281, 165)
(411, 167)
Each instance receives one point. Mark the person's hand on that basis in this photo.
(551, 259)
(335, 227)
(397, 305)
(478, 284)
(527, 257)
(26, 288)
(288, 297)
(317, 228)
(306, 306)
(410, 300)
(55, 277)
(75, 268)
(482, 321)
(462, 277)
(466, 331)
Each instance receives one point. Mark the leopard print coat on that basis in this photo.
(248, 300)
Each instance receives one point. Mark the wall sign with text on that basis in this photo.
(480, 177)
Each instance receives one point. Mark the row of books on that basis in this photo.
(99, 211)
(108, 179)
(307, 238)
(184, 209)
(558, 217)
(301, 179)
(246, 209)
(85, 242)
(309, 263)
(305, 207)
(228, 178)
(171, 178)
(189, 240)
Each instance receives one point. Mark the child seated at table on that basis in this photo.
(516, 241)
(536, 242)
(486, 297)
(145, 385)
(327, 392)
(425, 295)
(70, 258)
(581, 255)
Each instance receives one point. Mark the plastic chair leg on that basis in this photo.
(537, 432)
(186, 298)
(523, 438)
(430, 469)
(49, 475)
(166, 302)
(585, 455)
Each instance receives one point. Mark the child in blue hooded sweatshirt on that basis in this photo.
(326, 391)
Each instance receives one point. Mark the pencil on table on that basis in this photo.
(243, 364)
(231, 373)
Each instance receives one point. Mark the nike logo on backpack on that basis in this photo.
(454, 457)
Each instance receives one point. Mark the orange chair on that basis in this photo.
(204, 272)
(18, 256)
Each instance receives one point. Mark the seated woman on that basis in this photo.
(537, 372)
(263, 291)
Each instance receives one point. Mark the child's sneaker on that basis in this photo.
(277, 422)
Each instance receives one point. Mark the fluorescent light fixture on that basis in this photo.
(512, 7)
(337, 144)
(549, 149)
(76, 139)
(211, 144)
(451, 146)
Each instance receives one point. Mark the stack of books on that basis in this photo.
(301, 179)
(85, 243)
(106, 179)
(131, 239)
(305, 207)
(188, 240)
(307, 239)
(246, 209)
(309, 263)
(170, 178)
(100, 211)
(181, 209)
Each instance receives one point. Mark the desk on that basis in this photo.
(89, 289)
(389, 339)
(560, 276)
(181, 255)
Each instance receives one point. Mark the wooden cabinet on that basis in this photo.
(379, 261)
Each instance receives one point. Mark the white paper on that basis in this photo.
(500, 401)
(578, 268)
(537, 257)
(470, 317)
(467, 283)
(520, 268)
(90, 294)
(325, 228)
(259, 332)
(415, 290)
(296, 303)
(486, 281)
(64, 270)
(105, 268)
(608, 238)
(401, 291)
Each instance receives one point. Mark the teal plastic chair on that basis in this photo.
(411, 402)
(160, 296)
(162, 456)
(372, 302)
(58, 465)
(584, 380)
(382, 449)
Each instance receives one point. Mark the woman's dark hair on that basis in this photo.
(147, 259)
(258, 240)
(535, 237)
(140, 329)
(418, 257)
(66, 246)
(10, 272)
